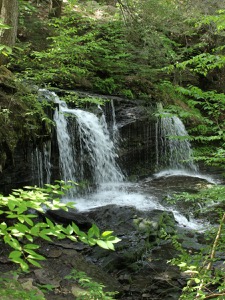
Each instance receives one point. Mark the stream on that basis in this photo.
(148, 194)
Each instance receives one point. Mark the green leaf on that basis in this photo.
(34, 262)
(12, 204)
(92, 241)
(90, 233)
(28, 220)
(22, 208)
(45, 237)
(21, 218)
(50, 224)
(12, 242)
(21, 227)
(69, 229)
(113, 239)
(102, 244)
(35, 230)
(13, 216)
(34, 255)
(96, 230)
(3, 226)
(110, 245)
(75, 228)
(72, 238)
(31, 246)
(29, 237)
(15, 254)
(197, 280)
(24, 266)
(106, 233)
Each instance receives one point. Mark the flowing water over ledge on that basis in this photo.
(87, 144)
(148, 195)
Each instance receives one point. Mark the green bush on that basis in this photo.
(19, 230)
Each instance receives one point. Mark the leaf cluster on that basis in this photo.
(82, 53)
(19, 227)
(10, 289)
(92, 290)
(203, 269)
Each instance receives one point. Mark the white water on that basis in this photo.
(130, 194)
(96, 148)
(41, 162)
(175, 172)
(66, 149)
(173, 146)
(95, 138)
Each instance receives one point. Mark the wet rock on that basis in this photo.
(77, 291)
(140, 258)
(44, 276)
(27, 284)
(67, 217)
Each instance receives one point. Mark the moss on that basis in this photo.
(22, 116)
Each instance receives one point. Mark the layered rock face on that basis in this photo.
(135, 147)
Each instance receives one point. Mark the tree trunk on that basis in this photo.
(9, 15)
(56, 8)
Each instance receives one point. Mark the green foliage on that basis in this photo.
(91, 290)
(19, 231)
(22, 117)
(217, 21)
(10, 289)
(203, 51)
(5, 50)
(78, 101)
(151, 28)
(204, 113)
(203, 269)
(199, 64)
(201, 201)
(83, 53)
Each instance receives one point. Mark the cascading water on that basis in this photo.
(173, 149)
(66, 150)
(41, 162)
(95, 139)
(96, 149)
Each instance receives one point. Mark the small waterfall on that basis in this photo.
(66, 150)
(85, 146)
(173, 149)
(115, 131)
(95, 139)
(41, 164)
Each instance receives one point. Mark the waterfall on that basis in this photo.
(66, 150)
(95, 139)
(115, 131)
(41, 164)
(85, 146)
(173, 149)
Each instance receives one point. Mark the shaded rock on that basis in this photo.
(77, 291)
(44, 276)
(67, 217)
(27, 284)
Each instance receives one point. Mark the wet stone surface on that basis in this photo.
(137, 269)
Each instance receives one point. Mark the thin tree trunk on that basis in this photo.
(9, 15)
(56, 8)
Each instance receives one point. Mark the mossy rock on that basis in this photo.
(7, 81)
(21, 116)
